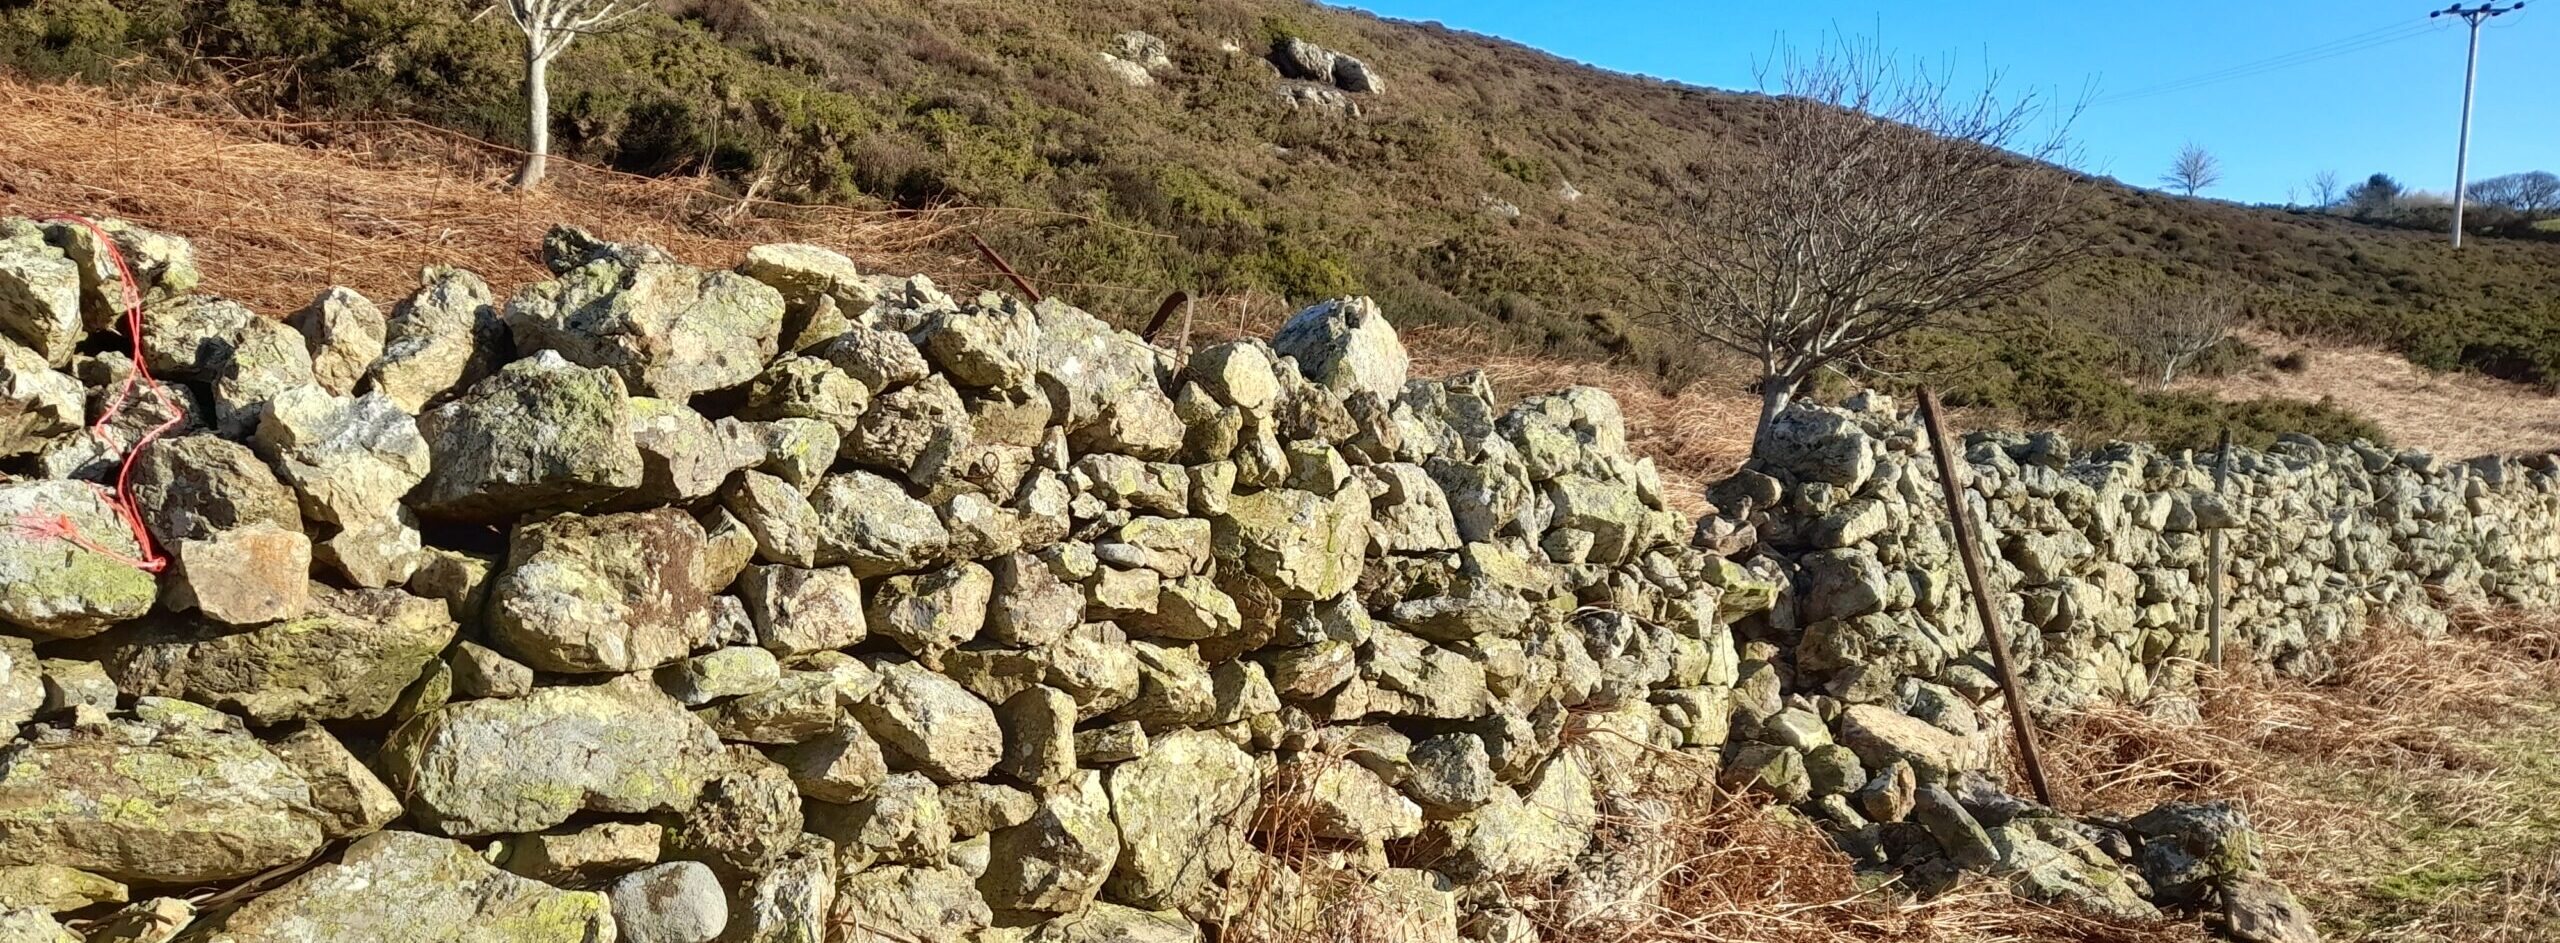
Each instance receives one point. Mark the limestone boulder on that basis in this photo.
(1306, 546)
(39, 405)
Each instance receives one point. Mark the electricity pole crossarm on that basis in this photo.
(2470, 77)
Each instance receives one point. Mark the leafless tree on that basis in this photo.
(2167, 330)
(1877, 200)
(2531, 193)
(548, 27)
(2324, 187)
(2195, 170)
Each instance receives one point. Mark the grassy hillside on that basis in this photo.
(1206, 181)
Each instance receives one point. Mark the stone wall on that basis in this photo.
(1881, 684)
(790, 603)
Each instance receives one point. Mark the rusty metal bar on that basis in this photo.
(989, 252)
(1164, 313)
(1960, 520)
(2213, 568)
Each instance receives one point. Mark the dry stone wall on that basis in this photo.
(793, 603)
(1883, 691)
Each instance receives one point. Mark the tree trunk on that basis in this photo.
(537, 106)
(1775, 394)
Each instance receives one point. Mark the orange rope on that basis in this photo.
(59, 524)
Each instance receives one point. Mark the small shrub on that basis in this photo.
(2292, 361)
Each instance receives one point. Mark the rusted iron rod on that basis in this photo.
(1960, 520)
(989, 252)
(1164, 313)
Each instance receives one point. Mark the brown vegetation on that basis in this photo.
(275, 222)
(2406, 794)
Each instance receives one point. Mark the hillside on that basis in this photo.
(1487, 186)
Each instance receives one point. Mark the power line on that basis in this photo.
(2370, 39)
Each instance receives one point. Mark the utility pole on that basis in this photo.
(2470, 77)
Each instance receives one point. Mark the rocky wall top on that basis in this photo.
(790, 602)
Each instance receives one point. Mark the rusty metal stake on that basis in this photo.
(2213, 569)
(1960, 520)
(992, 258)
(1164, 313)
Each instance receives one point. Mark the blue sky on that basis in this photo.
(2356, 96)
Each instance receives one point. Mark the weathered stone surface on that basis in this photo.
(243, 576)
(1305, 545)
(800, 705)
(1345, 801)
(602, 593)
(30, 925)
(1057, 860)
(179, 794)
(1347, 346)
(444, 337)
(479, 671)
(1451, 773)
(23, 684)
(407, 886)
(163, 265)
(350, 658)
(356, 802)
(345, 332)
(349, 460)
(1517, 835)
(789, 902)
(525, 764)
(931, 613)
(1178, 808)
(39, 293)
(670, 330)
(1881, 736)
(1039, 736)
(932, 724)
(540, 433)
(871, 525)
(53, 587)
(901, 904)
(678, 902)
(38, 404)
(586, 855)
(842, 766)
(728, 672)
(54, 889)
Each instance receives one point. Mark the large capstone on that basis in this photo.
(670, 330)
(540, 434)
(1347, 346)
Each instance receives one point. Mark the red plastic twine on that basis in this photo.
(59, 524)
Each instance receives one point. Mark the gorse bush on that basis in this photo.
(1208, 183)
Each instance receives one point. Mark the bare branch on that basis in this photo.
(2166, 330)
(1879, 199)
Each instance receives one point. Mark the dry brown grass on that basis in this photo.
(2455, 415)
(279, 212)
(2408, 795)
